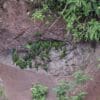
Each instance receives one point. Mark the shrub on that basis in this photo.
(62, 89)
(80, 77)
(81, 16)
(38, 15)
(40, 49)
(65, 88)
(39, 92)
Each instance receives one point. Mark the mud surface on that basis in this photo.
(16, 29)
(19, 82)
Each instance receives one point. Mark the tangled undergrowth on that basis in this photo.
(82, 20)
(38, 51)
(81, 17)
(64, 90)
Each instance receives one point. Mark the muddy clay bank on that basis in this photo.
(17, 28)
(18, 82)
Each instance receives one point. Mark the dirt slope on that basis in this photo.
(18, 82)
(17, 28)
(93, 87)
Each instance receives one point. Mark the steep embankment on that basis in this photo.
(16, 29)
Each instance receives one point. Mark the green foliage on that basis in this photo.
(40, 49)
(37, 34)
(87, 31)
(82, 17)
(63, 90)
(39, 14)
(55, 5)
(1, 91)
(63, 53)
(22, 63)
(15, 56)
(79, 96)
(18, 60)
(98, 65)
(80, 77)
(96, 7)
(39, 92)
